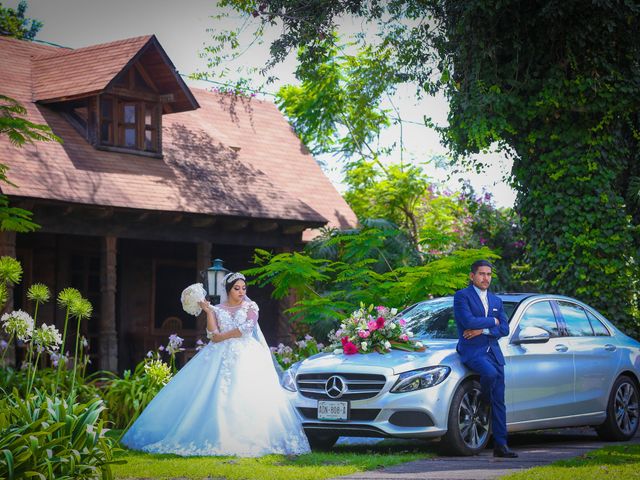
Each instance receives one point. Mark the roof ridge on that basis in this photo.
(99, 46)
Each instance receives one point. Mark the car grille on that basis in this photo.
(356, 414)
(359, 385)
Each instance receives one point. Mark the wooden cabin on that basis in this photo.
(152, 181)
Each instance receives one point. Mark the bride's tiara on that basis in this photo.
(232, 277)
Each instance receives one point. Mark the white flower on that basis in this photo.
(419, 344)
(337, 351)
(191, 296)
(409, 333)
(18, 323)
(364, 346)
(301, 344)
(342, 326)
(149, 354)
(47, 337)
(387, 345)
(393, 311)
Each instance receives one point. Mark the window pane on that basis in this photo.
(129, 114)
(148, 115)
(540, 315)
(105, 132)
(149, 143)
(576, 320)
(129, 137)
(598, 327)
(106, 108)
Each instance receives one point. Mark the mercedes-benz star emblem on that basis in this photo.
(335, 387)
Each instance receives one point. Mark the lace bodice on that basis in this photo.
(243, 317)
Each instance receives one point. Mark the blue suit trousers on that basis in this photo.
(492, 385)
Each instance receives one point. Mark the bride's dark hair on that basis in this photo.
(230, 280)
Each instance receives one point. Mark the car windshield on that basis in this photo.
(434, 318)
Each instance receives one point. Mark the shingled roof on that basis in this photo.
(233, 156)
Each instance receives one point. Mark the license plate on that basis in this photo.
(333, 410)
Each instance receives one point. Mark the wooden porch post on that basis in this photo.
(8, 248)
(108, 346)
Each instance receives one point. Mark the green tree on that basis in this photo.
(555, 84)
(20, 131)
(13, 22)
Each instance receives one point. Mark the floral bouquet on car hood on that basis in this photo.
(373, 329)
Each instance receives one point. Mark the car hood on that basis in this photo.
(438, 352)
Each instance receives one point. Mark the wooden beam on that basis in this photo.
(264, 226)
(233, 225)
(135, 94)
(203, 221)
(289, 229)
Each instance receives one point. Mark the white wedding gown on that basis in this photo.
(226, 401)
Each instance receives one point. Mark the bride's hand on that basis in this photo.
(204, 305)
(216, 337)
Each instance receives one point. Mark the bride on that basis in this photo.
(227, 400)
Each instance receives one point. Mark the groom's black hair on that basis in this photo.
(480, 263)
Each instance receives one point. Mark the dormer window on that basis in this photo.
(129, 123)
(121, 113)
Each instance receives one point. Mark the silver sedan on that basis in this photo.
(566, 366)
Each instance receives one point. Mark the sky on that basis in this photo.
(182, 29)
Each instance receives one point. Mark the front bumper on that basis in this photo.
(419, 414)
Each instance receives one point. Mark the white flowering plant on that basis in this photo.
(373, 329)
(287, 355)
(191, 296)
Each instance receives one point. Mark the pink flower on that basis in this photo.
(404, 337)
(380, 308)
(349, 348)
(363, 333)
(380, 322)
(344, 341)
(402, 322)
(372, 325)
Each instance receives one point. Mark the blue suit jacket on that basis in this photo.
(469, 314)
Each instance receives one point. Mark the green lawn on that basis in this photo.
(342, 460)
(610, 463)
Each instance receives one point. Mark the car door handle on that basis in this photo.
(610, 348)
(561, 348)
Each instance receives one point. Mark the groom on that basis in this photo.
(481, 321)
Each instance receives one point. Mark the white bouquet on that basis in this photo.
(191, 296)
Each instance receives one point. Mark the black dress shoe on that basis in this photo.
(504, 451)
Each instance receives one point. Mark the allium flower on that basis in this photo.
(18, 324)
(3, 345)
(67, 296)
(84, 342)
(149, 354)
(39, 292)
(10, 270)
(47, 337)
(80, 308)
(158, 371)
(199, 345)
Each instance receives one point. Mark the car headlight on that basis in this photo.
(419, 379)
(288, 380)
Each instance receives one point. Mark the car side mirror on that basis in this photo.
(531, 335)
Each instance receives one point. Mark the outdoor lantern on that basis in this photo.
(215, 273)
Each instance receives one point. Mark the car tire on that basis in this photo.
(468, 424)
(321, 441)
(623, 410)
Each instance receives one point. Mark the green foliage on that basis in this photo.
(358, 271)
(556, 85)
(128, 396)
(337, 106)
(14, 24)
(20, 131)
(50, 438)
